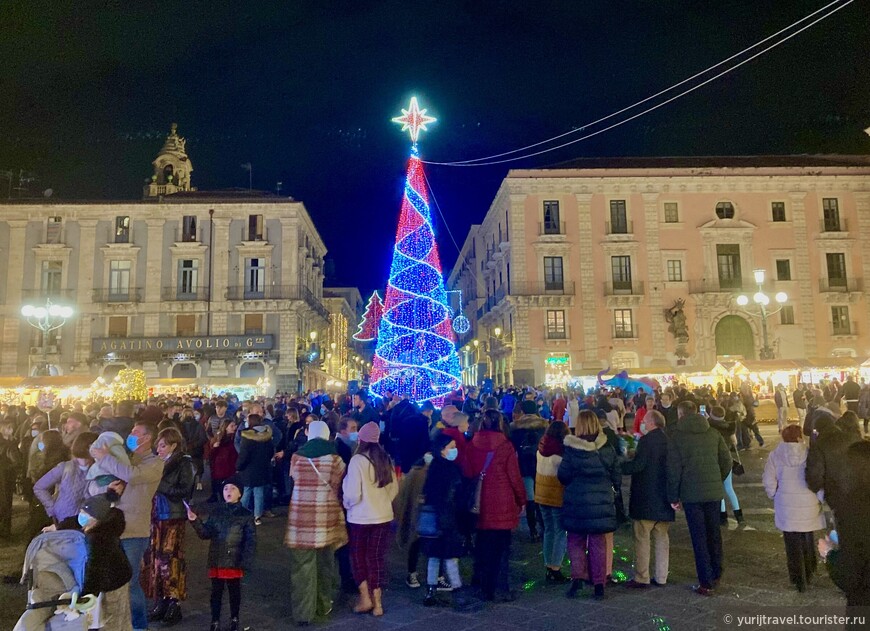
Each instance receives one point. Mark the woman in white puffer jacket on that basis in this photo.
(797, 510)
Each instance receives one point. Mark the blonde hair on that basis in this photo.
(587, 424)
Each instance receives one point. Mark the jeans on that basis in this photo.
(134, 548)
(703, 521)
(730, 494)
(555, 537)
(452, 568)
(259, 493)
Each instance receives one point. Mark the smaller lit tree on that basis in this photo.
(371, 320)
(130, 385)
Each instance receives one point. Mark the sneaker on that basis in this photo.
(703, 591)
(258, 521)
(443, 585)
(412, 581)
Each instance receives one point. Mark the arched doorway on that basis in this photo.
(252, 370)
(734, 337)
(184, 370)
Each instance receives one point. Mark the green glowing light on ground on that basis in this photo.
(619, 576)
(661, 623)
(528, 585)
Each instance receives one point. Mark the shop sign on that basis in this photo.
(557, 360)
(182, 344)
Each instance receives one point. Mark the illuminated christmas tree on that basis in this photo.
(416, 353)
(371, 320)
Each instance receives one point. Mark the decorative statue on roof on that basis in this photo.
(676, 319)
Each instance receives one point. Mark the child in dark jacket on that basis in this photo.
(107, 571)
(233, 541)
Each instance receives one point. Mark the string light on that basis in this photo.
(416, 352)
(368, 326)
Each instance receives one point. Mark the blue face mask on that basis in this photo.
(40, 446)
(353, 437)
(84, 518)
(451, 454)
(132, 442)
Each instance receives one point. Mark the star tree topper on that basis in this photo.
(414, 119)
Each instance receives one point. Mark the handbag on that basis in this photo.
(427, 522)
(161, 506)
(474, 509)
(737, 467)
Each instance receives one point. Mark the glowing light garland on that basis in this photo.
(416, 352)
(371, 320)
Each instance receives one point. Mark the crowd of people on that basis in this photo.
(358, 473)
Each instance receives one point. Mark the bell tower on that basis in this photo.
(172, 168)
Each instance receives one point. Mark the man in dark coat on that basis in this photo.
(121, 423)
(410, 434)
(254, 465)
(698, 463)
(526, 432)
(648, 505)
(827, 469)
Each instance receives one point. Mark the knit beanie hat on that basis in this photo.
(529, 407)
(717, 413)
(370, 433)
(235, 482)
(318, 429)
(97, 507)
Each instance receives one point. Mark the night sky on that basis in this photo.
(305, 92)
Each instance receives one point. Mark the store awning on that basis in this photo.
(64, 381)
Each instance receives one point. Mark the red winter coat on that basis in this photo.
(504, 495)
(559, 406)
(222, 459)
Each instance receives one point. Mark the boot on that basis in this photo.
(159, 610)
(364, 604)
(555, 577)
(431, 599)
(378, 609)
(723, 518)
(234, 624)
(599, 592)
(738, 515)
(576, 586)
(173, 614)
(464, 601)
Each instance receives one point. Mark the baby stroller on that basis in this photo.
(54, 573)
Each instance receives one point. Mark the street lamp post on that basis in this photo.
(46, 318)
(762, 300)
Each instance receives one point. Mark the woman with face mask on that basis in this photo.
(164, 570)
(63, 489)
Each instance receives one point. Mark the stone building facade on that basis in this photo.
(183, 283)
(638, 262)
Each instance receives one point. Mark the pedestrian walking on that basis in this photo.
(648, 504)
(797, 510)
(698, 463)
(549, 494)
(315, 524)
(254, 465)
(589, 471)
(369, 489)
(526, 433)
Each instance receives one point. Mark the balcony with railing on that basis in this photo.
(623, 288)
(542, 288)
(619, 228)
(130, 294)
(718, 286)
(43, 294)
(278, 292)
(185, 293)
(551, 228)
(624, 333)
(556, 334)
(844, 328)
(840, 285)
(833, 224)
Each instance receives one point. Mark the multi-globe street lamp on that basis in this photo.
(46, 318)
(761, 301)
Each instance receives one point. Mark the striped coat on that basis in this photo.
(315, 518)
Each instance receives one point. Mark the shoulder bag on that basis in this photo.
(474, 509)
